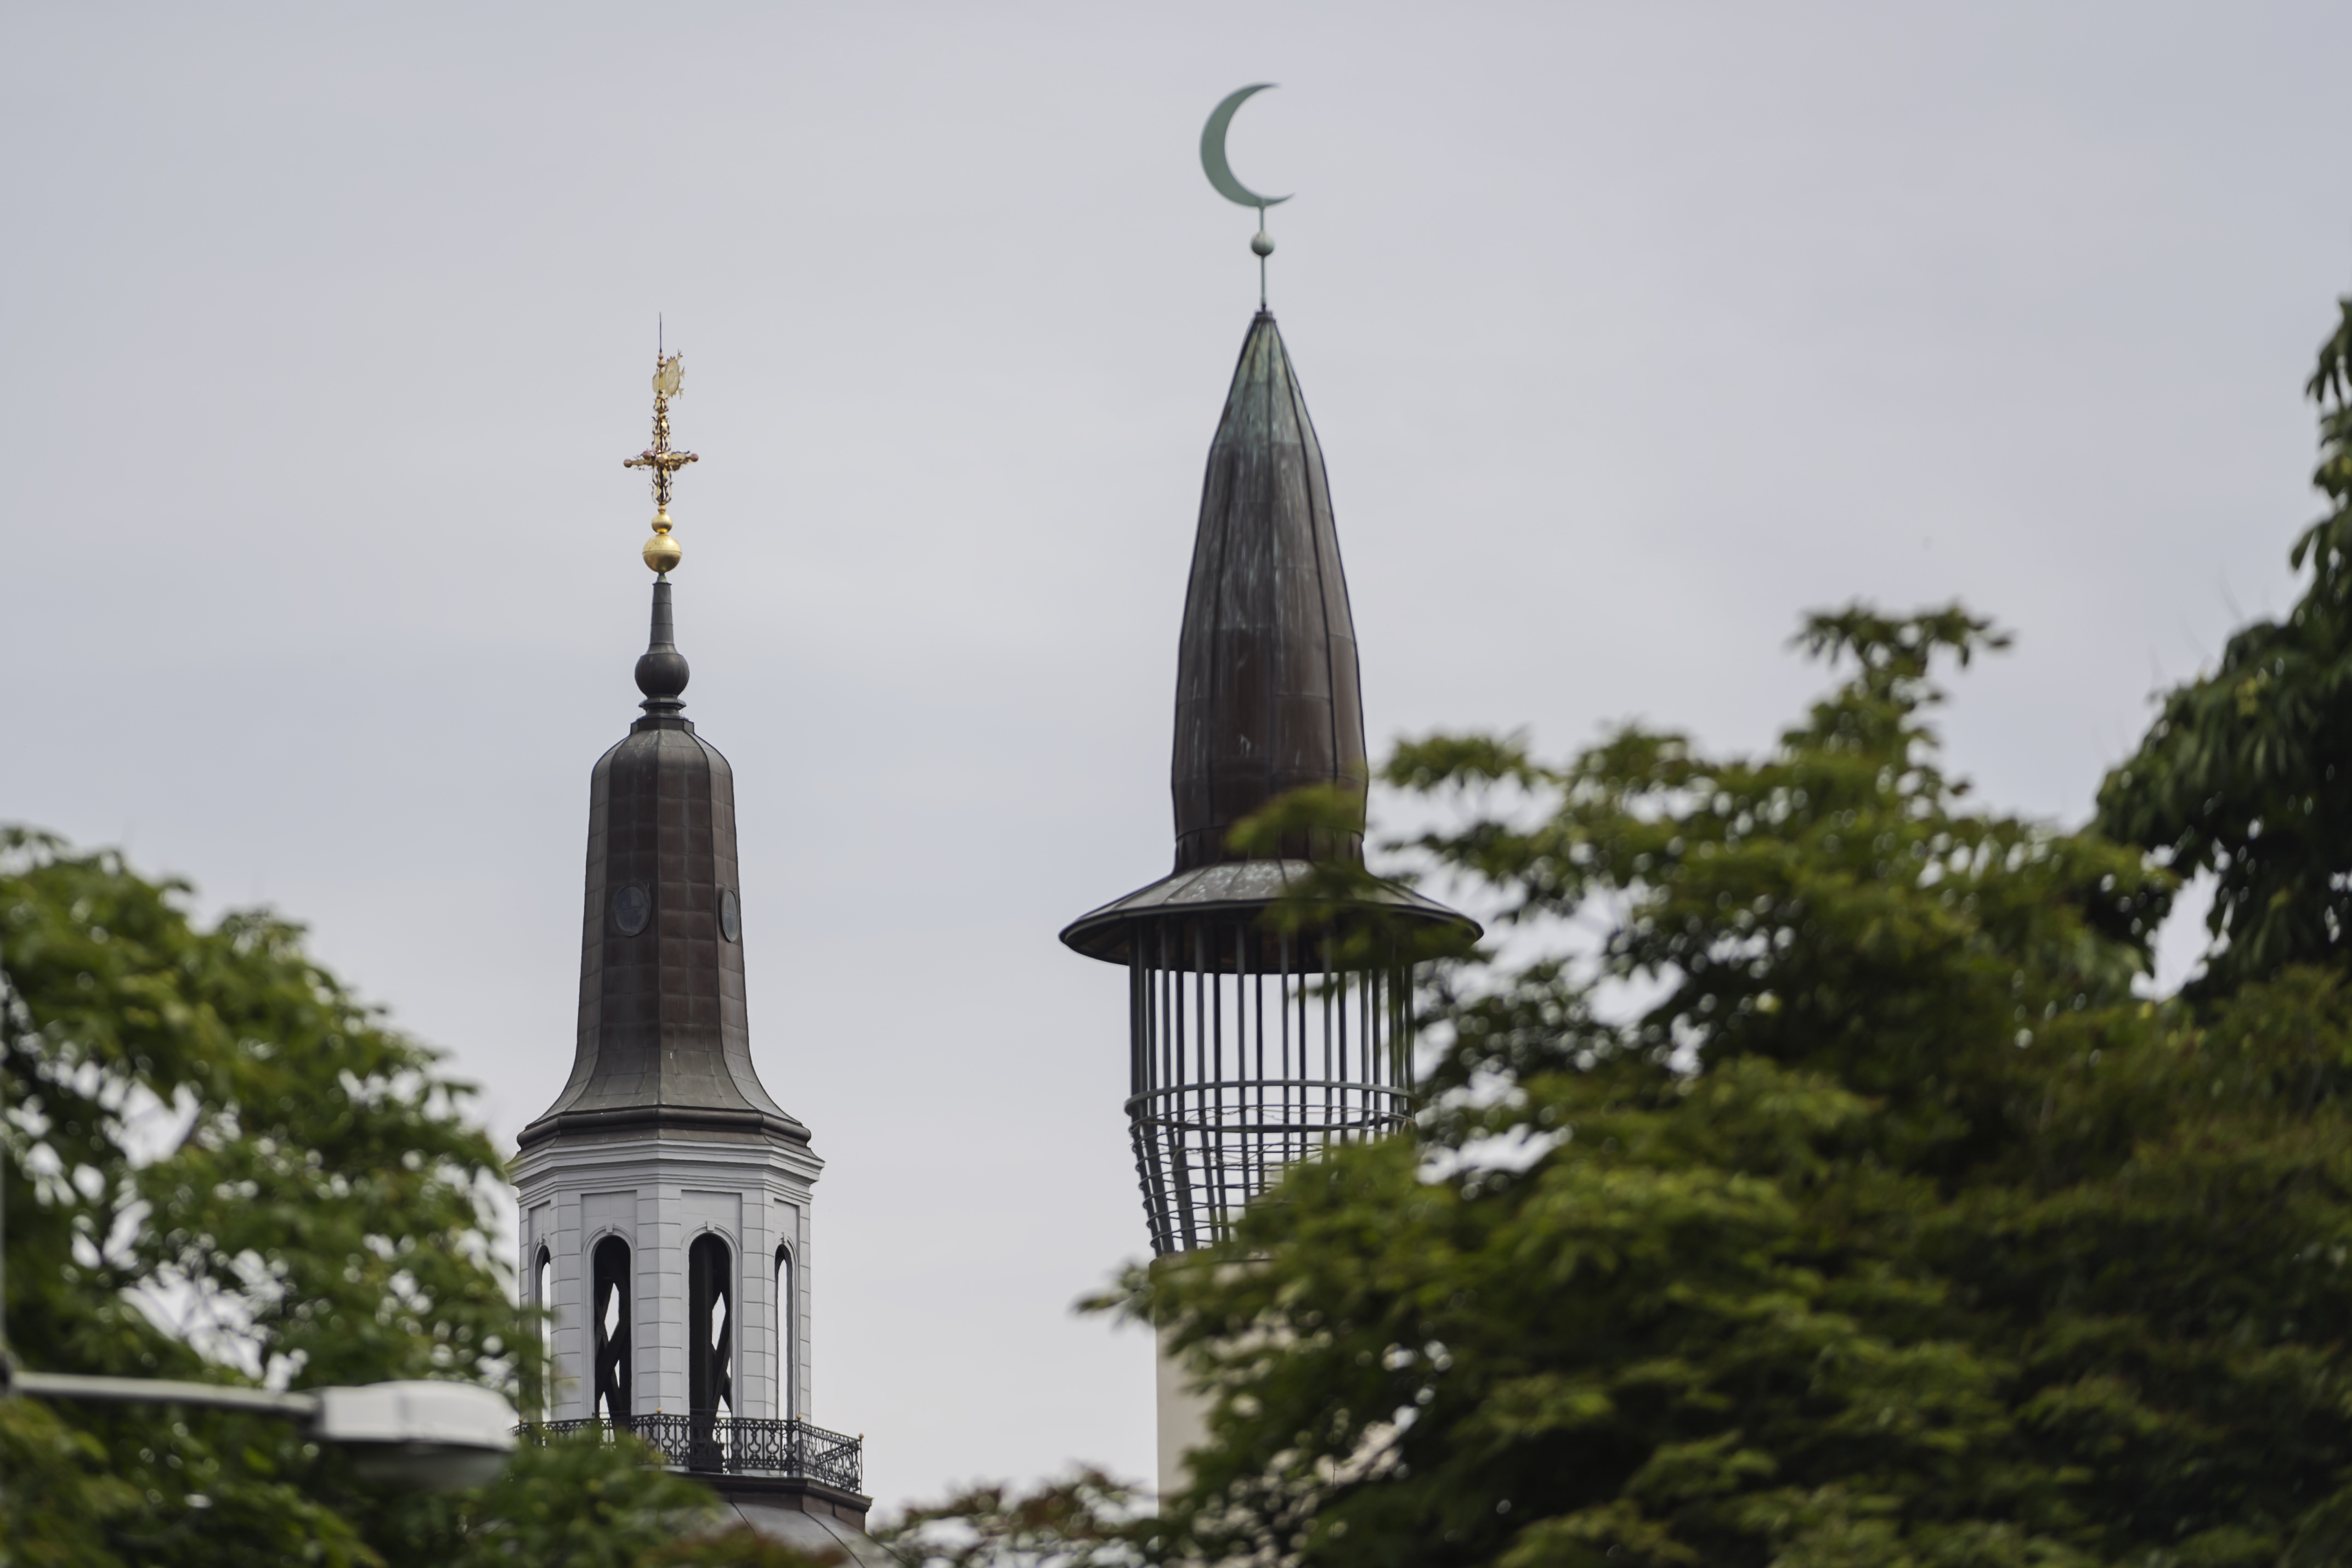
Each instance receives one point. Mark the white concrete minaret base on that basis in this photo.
(1184, 1413)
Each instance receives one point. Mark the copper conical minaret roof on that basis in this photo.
(1268, 697)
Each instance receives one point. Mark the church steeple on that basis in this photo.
(666, 1195)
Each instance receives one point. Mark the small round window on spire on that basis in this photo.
(731, 914)
(631, 907)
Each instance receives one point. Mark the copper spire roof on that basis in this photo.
(1268, 698)
(665, 1040)
(1267, 693)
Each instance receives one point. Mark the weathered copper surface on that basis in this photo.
(1244, 887)
(1267, 696)
(665, 1041)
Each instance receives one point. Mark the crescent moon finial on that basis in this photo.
(1212, 152)
(1221, 175)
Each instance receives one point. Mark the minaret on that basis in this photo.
(1250, 1046)
(665, 1195)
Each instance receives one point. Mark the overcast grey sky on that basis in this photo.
(1631, 332)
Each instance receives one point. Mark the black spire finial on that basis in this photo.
(661, 669)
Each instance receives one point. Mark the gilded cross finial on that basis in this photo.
(662, 552)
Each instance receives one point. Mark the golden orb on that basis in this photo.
(662, 552)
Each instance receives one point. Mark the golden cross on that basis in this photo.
(658, 456)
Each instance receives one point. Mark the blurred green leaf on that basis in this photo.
(2247, 772)
(218, 1163)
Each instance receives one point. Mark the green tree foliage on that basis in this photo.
(1841, 1206)
(2247, 772)
(219, 1164)
(740, 1547)
(1086, 1519)
(577, 1502)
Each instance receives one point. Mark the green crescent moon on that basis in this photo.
(1212, 152)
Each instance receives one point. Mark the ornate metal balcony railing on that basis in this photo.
(733, 1445)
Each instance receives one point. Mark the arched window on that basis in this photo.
(542, 1296)
(709, 1326)
(609, 1311)
(787, 1363)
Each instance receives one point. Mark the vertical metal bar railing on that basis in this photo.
(1225, 1097)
